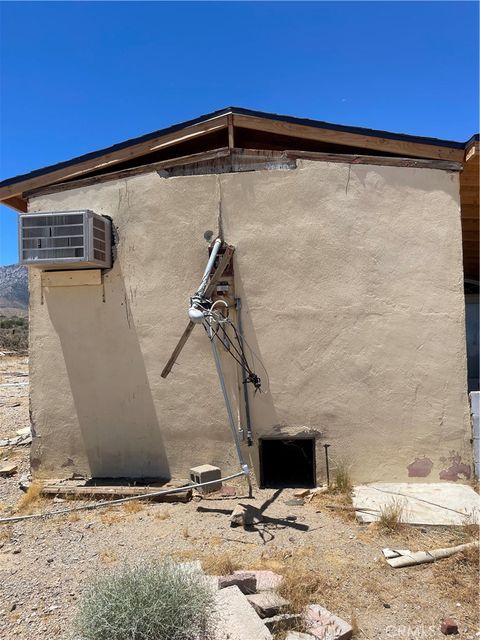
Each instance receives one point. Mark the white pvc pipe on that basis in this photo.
(108, 503)
(196, 313)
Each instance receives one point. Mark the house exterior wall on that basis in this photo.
(351, 284)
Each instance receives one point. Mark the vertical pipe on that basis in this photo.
(238, 305)
(326, 463)
(228, 406)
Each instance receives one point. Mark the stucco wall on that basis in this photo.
(351, 283)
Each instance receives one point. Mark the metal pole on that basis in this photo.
(238, 304)
(326, 462)
(231, 420)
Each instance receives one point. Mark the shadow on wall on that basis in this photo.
(108, 379)
(265, 419)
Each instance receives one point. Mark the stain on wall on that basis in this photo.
(420, 468)
(457, 470)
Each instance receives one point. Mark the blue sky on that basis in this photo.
(79, 76)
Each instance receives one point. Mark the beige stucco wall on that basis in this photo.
(351, 283)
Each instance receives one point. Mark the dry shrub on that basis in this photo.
(6, 532)
(161, 515)
(110, 516)
(31, 497)
(219, 564)
(108, 557)
(148, 602)
(457, 577)
(133, 506)
(74, 516)
(391, 515)
(341, 474)
(301, 586)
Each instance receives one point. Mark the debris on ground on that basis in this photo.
(8, 470)
(449, 627)
(268, 603)
(266, 580)
(85, 489)
(245, 515)
(324, 625)
(398, 558)
(237, 620)
(245, 581)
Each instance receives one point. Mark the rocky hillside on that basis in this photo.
(13, 288)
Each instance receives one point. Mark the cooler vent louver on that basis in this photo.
(65, 240)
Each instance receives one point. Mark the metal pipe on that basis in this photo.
(209, 320)
(326, 462)
(110, 503)
(196, 313)
(203, 284)
(238, 305)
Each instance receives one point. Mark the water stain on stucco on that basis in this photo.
(457, 470)
(420, 468)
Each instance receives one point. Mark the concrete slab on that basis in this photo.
(268, 603)
(266, 580)
(423, 504)
(236, 619)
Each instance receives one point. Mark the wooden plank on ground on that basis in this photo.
(101, 492)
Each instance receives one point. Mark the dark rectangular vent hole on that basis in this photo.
(287, 463)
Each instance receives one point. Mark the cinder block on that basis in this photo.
(206, 473)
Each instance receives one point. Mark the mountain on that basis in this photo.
(13, 289)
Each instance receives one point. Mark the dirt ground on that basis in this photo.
(326, 556)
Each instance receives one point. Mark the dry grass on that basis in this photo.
(31, 497)
(133, 506)
(219, 564)
(301, 586)
(108, 557)
(111, 516)
(6, 532)
(457, 577)
(341, 475)
(161, 515)
(391, 515)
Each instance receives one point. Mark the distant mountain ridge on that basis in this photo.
(13, 287)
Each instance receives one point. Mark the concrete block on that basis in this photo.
(324, 625)
(236, 619)
(266, 580)
(268, 603)
(206, 473)
(246, 582)
(8, 470)
(298, 635)
(283, 622)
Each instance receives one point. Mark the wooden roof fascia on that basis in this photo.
(206, 156)
(403, 147)
(122, 154)
(128, 173)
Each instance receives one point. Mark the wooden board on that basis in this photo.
(106, 491)
(401, 147)
(125, 153)
(73, 278)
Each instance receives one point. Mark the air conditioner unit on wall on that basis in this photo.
(65, 240)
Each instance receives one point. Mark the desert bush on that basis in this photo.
(14, 334)
(158, 601)
(341, 474)
(391, 514)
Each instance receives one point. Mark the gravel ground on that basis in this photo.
(44, 563)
